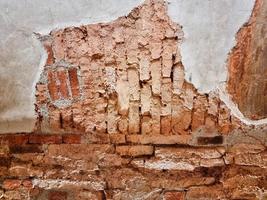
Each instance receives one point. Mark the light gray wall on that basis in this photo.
(209, 25)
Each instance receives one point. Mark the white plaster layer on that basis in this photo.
(226, 98)
(22, 55)
(209, 29)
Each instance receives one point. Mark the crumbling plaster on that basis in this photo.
(209, 26)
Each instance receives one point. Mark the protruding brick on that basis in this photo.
(138, 150)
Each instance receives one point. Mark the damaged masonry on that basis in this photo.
(117, 120)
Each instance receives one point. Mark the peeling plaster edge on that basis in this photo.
(226, 98)
(87, 21)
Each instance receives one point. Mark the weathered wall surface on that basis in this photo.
(247, 65)
(116, 119)
(204, 61)
(22, 56)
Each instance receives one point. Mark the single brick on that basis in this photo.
(74, 82)
(17, 149)
(156, 76)
(174, 195)
(19, 139)
(63, 87)
(57, 195)
(210, 140)
(117, 138)
(71, 139)
(11, 184)
(134, 86)
(138, 150)
(52, 85)
(45, 139)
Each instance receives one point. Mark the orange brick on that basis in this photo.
(11, 184)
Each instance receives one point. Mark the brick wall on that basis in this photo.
(117, 120)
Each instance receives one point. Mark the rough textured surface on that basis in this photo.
(247, 65)
(117, 120)
(21, 21)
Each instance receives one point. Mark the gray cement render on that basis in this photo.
(209, 26)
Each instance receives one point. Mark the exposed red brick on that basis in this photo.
(174, 195)
(11, 184)
(50, 56)
(63, 87)
(52, 85)
(71, 139)
(74, 82)
(18, 139)
(45, 139)
(57, 195)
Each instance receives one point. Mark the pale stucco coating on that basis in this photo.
(209, 26)
(209, 29)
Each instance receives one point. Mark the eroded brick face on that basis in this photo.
(117, 121)
(247, 65)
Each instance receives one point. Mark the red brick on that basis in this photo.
(174, 195)
(27, 183)
(45, 139)
(14, 139)
(11, 184)
(74, 82)
(52, 86)
(71, 139)
(50, 56)
(57, 195)
(63, 87)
